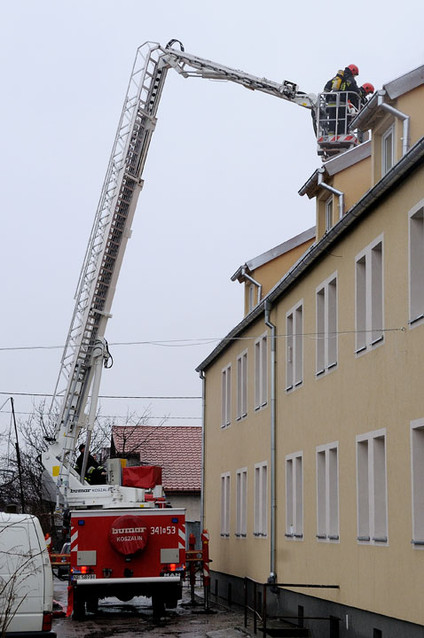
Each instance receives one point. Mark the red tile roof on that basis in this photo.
(177, 449)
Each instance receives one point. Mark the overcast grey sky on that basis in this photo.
(221, 179)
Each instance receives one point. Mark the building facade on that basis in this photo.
(313, 404)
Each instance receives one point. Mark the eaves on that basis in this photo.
(353, 216)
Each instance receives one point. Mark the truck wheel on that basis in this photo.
(93, 604)
(158, 604)
(79, 607)
(171, 603)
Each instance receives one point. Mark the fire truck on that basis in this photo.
(125, 541)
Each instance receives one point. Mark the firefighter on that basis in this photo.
(364, 91)
(337, 108)
(95, 474)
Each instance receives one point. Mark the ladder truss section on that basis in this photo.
(110, 232)
(192, 66)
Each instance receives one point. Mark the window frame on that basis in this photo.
(261, 372)
(226, 396)
(294, 519)
(225, 504)
(369, 296)
(242, 386)
(260, 526)
(417, 482)
(371, 488)
(416, 264)
(389, 133)
(328, 505)
(241, 502)
(328, 213)
(294, 347)
(326, 298)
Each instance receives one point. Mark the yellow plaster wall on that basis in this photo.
(378, 389)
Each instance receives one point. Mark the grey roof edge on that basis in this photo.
(405, 83)
(396, 173)
(348, 158)
(336, 165)
(275, 252)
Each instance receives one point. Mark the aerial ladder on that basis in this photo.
(75, 399)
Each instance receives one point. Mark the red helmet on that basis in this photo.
(368, 88)
(354, 69)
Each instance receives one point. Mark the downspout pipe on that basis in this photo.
(401, 116)
(327, 187)
(202, 483)
(254, 282)
(272, 563)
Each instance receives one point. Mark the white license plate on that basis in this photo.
(85, 576)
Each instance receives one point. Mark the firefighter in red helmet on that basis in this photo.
(338, 107)
(365, 90)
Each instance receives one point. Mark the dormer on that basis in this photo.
(260, 274)
(395, 117)
(338, 184)
(394, 121)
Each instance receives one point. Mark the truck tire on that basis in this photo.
(92, 604)
(171, 603)
(158, 604)
(79, 606)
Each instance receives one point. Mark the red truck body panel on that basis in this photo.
(134, 543)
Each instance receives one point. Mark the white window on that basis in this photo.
(226, 396)
(327, 325)
(328, 492)
(242, 385)
(417, 457)
(369, 297)
(294, 496)
(416, 263)
(241, 503)
(329, 213)
(225, 504)
(252, 302)
(261, 500)
(387, 150)
(371, 487)
(294, 339)
(261, 372)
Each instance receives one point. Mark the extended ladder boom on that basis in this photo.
(86, 350)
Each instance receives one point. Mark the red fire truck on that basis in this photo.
(127, 553)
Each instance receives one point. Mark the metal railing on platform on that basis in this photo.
(256, 603)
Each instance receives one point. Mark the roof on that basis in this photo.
(317, 251)
(177, 449)
(277, 251)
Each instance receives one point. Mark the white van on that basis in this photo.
(26, 579)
